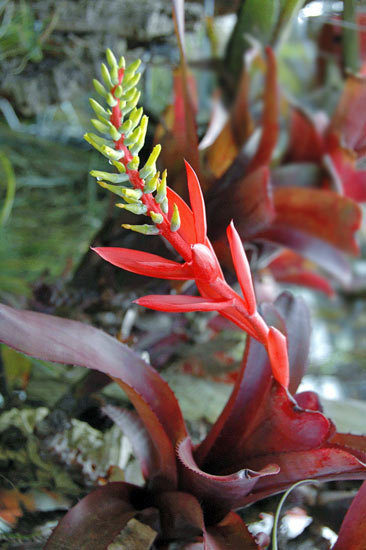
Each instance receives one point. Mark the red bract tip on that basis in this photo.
(277, 351)
(197, 204)
(242, 268)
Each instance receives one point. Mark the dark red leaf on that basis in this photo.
(323, 214)
(150, 453)
(324, 464)
(181, 515)
(352, 535)
(349, 119)
(54, 339)
(96, 520)
(218, 493)
(231, 533)
(306, 142)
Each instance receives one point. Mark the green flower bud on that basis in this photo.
(134, 208)
(144, 229)
(106, 76)
(156, 217)
(99, 88)
(175, 221)
(113, 178)
(161, 188)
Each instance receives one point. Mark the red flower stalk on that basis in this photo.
(185, 228)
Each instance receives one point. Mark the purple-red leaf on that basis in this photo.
(182, 303)
(323, 254)
(326, 463)
(352, 535)
(55, 339)
(144, 263)
(218, 493)
(231, 533)
(96, 520)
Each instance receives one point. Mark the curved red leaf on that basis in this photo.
(242, 268)
(352, 535)
(291, 316)
(326, 463)
(321, 213)
(144, 263)
(231, 533)
(97, 519)
(197, 204)
(55, 339)
(218, 493)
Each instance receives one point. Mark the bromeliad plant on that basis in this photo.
(266, 438)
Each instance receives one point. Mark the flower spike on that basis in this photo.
(185, 228)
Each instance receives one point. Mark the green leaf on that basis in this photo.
(257, 19)
(10, 184)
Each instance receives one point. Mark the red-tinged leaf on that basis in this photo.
(308, 400)
(269, 136)
(242, 268)
(252, 387)
(327, 463)
(292, 268)
(351, 181)
(218, 493)
(277, 350)
(70, 342)
(97, 519)
(323, 214)
(349, 119)
(306, 142)
(144, 263)
(181, 516)
(352, 534)
(182, 303)
(355, 443)
(187, 228)
(323, 254)
(248, 201)
(231, 533)
(197, 204)
(291, 316)
(235, 131)
(144, 448)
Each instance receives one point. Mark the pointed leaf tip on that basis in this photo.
(277, 351)
(242, 268)
(197, 203)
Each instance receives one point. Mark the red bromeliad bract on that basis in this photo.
(185, 228)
